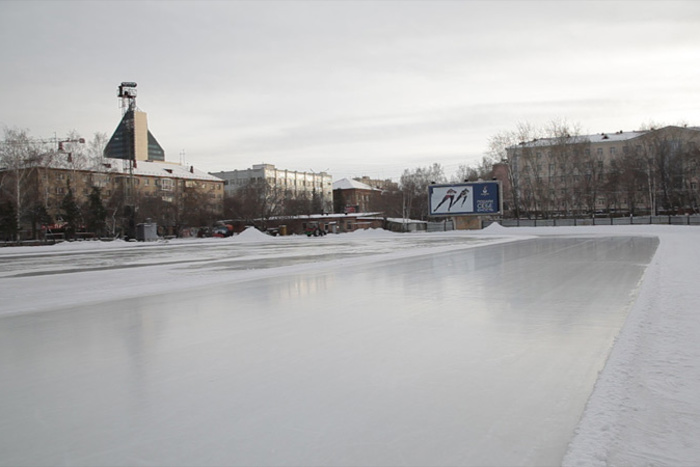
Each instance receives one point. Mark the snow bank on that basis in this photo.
(495, 228)
(251, 234)
(372, 233)
(645, 408)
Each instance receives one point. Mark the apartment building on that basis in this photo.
(652, 170)
(292, 183)
(170, 194)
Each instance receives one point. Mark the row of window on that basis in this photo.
(60, 190)
(273, 182)
(165, 184)
(613, 150)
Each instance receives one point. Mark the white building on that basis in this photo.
(295, 184)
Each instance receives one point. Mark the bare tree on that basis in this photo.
(20, 156)
(667, 152)
(414, 187)
(256, 202)
(625, 182)
(520, 195)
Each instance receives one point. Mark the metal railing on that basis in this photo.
(637, 220)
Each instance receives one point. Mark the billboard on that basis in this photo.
(465, 199)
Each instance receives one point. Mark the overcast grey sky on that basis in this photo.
(352, 87)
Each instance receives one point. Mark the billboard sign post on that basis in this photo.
(465, 199)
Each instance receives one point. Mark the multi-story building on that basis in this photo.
(351, 196)
(613, 173)
(289, 183)
(170, 194)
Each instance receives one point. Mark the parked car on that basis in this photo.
(222, 231)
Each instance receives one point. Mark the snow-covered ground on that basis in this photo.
(645, 405)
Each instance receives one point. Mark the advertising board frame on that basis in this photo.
(466, 199)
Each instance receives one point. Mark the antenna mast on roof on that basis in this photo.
(127, 94)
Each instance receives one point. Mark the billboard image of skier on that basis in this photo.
(477, 198)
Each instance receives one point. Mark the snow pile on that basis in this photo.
(495, 228)
(251, 234)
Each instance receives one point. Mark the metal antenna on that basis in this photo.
(127, 94)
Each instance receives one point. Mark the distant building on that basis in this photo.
(351, 196)
(648, 171)
(291, 183)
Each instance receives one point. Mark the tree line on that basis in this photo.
(657, 173)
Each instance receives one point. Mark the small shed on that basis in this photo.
(147, 232)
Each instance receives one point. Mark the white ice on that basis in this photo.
(360, 349)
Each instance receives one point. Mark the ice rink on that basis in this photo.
(479, 354)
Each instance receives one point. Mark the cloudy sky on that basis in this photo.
(350, 87)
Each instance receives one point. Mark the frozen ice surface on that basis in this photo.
(474, 354)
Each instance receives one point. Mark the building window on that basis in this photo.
(613, 150)
(599, 151)
(166, 184)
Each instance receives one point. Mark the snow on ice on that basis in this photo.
(644, 408)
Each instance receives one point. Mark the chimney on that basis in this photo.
(192, 169)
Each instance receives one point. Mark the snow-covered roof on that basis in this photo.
(598, 138)
(347, 184)
(62, 161)
(165, 169)
(400, 220)
(331, 216)
(619, 136)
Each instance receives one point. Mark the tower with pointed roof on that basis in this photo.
(132, 140)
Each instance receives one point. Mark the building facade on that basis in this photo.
(170, 194)
(351, 196)
(650, 171)
(287, 183)
(132, 140)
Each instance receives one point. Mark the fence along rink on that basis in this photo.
(587, 221)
